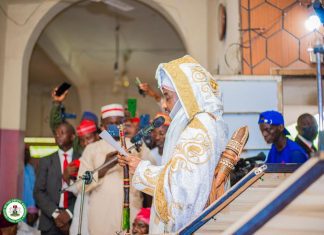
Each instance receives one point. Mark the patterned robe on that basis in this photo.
(194, 142)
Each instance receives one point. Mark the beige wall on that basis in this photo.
(2, 49)
(217, 50)
(189, 17)
(304, 102)
(39, 105)
(101, 97)
(197, 24)
(21, 33)
(14, 87)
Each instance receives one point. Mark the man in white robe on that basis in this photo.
(194, 142)
(106, 190)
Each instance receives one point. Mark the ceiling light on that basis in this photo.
(116, 4)
(312, 23)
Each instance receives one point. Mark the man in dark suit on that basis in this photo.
(56, 208)
(307, 131)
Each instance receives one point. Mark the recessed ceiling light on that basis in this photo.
(117, 4)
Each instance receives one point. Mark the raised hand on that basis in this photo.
(60, 98)
(149, 91)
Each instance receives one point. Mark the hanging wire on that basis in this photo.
(116, 64)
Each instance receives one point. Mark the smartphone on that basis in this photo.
(62, 88)
(138, 82)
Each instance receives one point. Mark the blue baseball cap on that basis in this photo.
(90, 116)
(273, 118)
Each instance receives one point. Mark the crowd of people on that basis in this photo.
(59, 212)
(171, 177)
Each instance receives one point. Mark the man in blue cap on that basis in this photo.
(283, 150)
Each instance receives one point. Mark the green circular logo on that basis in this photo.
(14, 210)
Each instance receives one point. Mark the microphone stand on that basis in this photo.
(318, 50)
(87, 178)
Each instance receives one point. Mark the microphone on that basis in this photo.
(88, 175)
(157, 122)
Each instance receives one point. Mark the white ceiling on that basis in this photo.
(80, 44)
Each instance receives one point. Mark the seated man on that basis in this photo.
(283, 150)
(307, 131)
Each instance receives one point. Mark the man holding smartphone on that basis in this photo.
(57, 114)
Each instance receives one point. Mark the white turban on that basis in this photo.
(163, 79)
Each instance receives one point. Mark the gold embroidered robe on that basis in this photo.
(194, 142)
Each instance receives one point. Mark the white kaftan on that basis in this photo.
(194, 142)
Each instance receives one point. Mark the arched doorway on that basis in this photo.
(82, 44)
(19, 41)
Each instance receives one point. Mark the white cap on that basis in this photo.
(112, 110)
